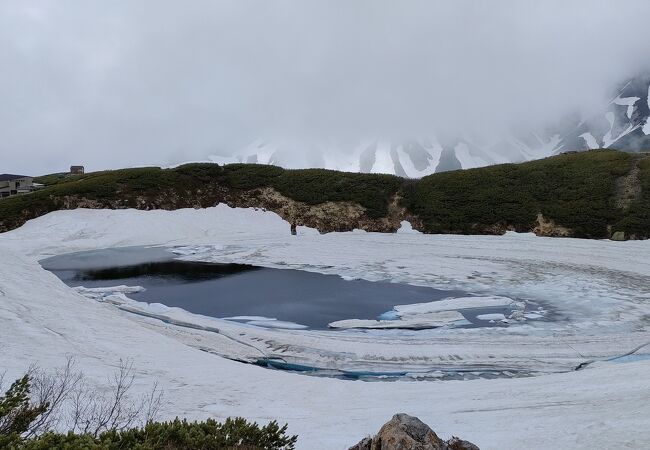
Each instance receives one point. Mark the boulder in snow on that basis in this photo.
(404, 432)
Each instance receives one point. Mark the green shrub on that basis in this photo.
(53, 178)
(250, 176)
(575, 190)
(179, 434)
(17, 413)
(128, 186)
(314, 186)
(17, 432)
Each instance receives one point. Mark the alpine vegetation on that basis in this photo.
(594, 194)
(60, 409)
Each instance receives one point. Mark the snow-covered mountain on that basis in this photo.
(624, 123)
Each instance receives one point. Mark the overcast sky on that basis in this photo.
(120, 83)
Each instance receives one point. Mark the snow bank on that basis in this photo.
(406, 228)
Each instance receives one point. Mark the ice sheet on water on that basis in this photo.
(389, 315)
(277, 324)
(110, 289)
(249, 318)
(631, 358)
(494, 316)
(156, 308)
(434, 314)
(533, 315)
(418, 321)
(266, 322)
(186, 250)
(455, 303)
(349, 277)
(598, 287)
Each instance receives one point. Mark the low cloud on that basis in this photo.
(120, 83)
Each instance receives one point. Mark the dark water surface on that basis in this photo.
(225, 290)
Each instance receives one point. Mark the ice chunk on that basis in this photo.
(389, 315)
(450, 304)
(277, 324)
(110, 290)
(249, 318)
(187, 250)
(419, 321)
(155, 308)
(350, 277)
(533, 316)
(495, 316)
(427, 315)
(266, 322)
(517, 315)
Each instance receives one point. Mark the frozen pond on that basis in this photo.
(252, 294)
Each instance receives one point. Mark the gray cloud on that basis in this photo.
(119, 83)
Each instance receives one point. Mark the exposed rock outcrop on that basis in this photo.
(404, 432)
(325, 217)
(548, 227)
(459, 444)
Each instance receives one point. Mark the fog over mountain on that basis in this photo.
(419, 83)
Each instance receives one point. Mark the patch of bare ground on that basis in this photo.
(548, 227)
(327, 216)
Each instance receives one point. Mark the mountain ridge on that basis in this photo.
(596, 194)
(623, 123)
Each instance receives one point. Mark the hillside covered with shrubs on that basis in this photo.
(592, 194)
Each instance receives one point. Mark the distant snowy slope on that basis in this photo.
(624, 124)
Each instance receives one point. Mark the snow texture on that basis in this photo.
(629, 102)
(596, 291)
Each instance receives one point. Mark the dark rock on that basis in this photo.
(458, 444)
(365, 444)
(404, 432)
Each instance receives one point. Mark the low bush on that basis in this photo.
(179, 434)
(37, 405)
